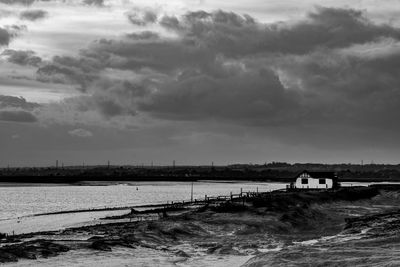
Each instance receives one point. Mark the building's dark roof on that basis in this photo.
(329, 175)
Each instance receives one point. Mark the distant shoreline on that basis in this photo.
(273, 172)
(12, 181)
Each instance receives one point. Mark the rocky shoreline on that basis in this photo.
(229, 229)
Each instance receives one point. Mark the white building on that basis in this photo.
(315, 180)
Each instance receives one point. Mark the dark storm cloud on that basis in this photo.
(233, 34)
(4, 37)
(8, 32)
(328, 27)
(219, 31)
(16, 109)
(70, 70)
(16, 102)
(115, 97)
(94, 2)
(349, 88)
(256, 97)
(170, 22)
(31, 2)
(17, 2)
(213, 90)
(33, 15)
(17, 116)
(160, 55)
(145, 35)
(21, 57)
(229, 67)
(142, 18)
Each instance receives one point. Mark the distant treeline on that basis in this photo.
(275, 171)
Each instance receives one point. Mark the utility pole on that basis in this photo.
(173, 164)
(56, 164)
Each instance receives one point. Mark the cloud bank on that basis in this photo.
(300, 81)
(226, 66)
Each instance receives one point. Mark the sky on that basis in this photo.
(199, 81)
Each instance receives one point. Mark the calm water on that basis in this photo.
(18, 203)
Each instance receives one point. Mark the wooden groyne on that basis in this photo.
(207, 200)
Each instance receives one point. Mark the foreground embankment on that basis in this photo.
(279, 229)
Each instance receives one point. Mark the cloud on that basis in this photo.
(33, 15)
(170, 22)
(17, 109)
(4, 37)
(354, 90)
(16, 102)
(22, 57)
(69, 70)
(145, 35)
(234, 34)
(94, 2)
(17, 116)
(142, 17)
(82, 133)
(222, 81)
(18, 2)
(245, 98)
(8, 32)
(230, 68)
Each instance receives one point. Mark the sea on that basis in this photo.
(25, 208)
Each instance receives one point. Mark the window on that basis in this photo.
(304, 181)
(322, 181)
